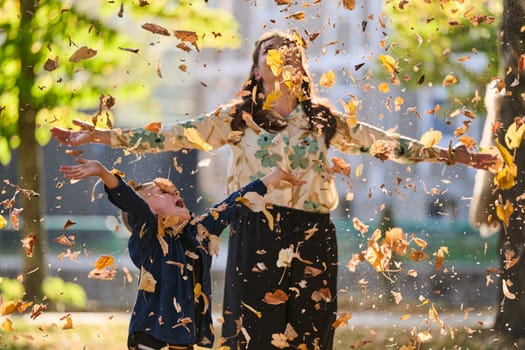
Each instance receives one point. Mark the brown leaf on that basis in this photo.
(153, 127)
(28, 242)
(275, 298)
(155, 28)
(187, 36)
(68, 241)
(51, 65)
(83, 53)
(341, 166)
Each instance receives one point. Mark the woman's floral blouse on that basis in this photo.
(295, 149)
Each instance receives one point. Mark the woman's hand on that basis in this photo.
(485, 161)
(278, 174)
(87, 134)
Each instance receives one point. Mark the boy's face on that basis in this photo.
(165, 203)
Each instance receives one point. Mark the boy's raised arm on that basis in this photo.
(86, 168)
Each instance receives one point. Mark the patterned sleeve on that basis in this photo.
(206, 132)
(226, 210)
(367, 139)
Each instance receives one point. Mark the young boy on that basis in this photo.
(172, 250)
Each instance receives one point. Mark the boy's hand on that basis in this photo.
(278, 174)
(86, 168)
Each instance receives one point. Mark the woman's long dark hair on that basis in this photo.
(319, 114)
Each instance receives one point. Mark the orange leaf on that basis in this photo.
(275, 298)
(155, 28)
(82, 53)
(153, 127)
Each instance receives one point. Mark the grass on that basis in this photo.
(109, 331)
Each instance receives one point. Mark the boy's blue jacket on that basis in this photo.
(169, 313)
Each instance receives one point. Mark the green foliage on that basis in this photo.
(432, 39)
(64, 293)
(57, 29)
(11, 289)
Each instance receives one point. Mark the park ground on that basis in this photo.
(365, 330)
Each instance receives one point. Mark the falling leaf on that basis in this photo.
(440, 257)
(424, 337)
(257, 313)
(28, 243)
(383, 87)
(275, 61)
(431, 138)
(349, 4)
(153, 127)
(299, 16)
(195, 137)
(285, 257)
(450, 79)
(7, 325)
(275, 298)
(504, 212)
(341, 166)
(69, 322)
(68, 241)
(360, 226)
(147, 281)
(283, 2)
(342, 320)
(327, 79)
(3, 222)
(82, 53)
(514, 135)
(506, 292)
(155, 28)
(280, 341)
(14, 217)
(389, 63)
(187, 36)
(104, 261)
(51, 65)
(8, 307)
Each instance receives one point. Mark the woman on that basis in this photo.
(281, 273)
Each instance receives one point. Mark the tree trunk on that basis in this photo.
(511, 315)
(29, 159)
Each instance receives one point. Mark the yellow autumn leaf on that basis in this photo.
(504, 212)
(8, 307)
(507, 157)
(69, 323)
(194, 137)
(270, 99)
(383, 87)
(389, 63)
(275, 61)
(350, 109)
(327, 79)
(3, 222)
(431, 138)
(514, 135)
(7, 325)
(104, 261)
(506, 178)
(450, 79)
(359, 171)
